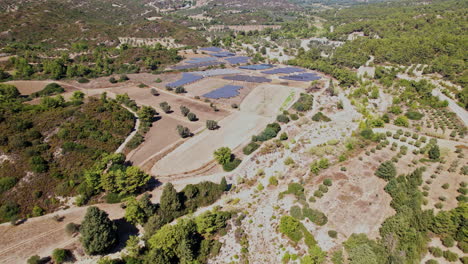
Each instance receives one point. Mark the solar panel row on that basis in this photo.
(303, 77)
(285, 70)
(197, 65)
(226, 91)
(186, 79)
(257, 67)
(238, 60)
(212, 49)
(247, 78)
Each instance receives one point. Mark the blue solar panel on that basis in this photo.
(226, 91)
(286, 70)
(247, 78)
(223, 54)
(196, 65)
(201, 60)
(212, 49)
(186, 78)
(238, 60)
(303, 77)
(257, 67)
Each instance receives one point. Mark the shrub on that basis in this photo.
(251, 147)
(448, 241)
(273, 181)
(60, 255)
(432, 261)
(83, 80)
(184, 110)
(434, 153)
(445, 186)
(284, 136)
(291, 227)
(231, 165)
(282, 119)
(332, 233)
(402, 121)
(112, 80)
(37, 211)
(165, 107)
(184, 132)
(436, 252)
(192, 117)
(450, 256)
(413, 115)
(72, 228)
(296, 212)
(158, 80)
(123, 78)
(315, 216)
(211, 124)
(34, 260)
(154, 92)
(304, 103)
(180, 90)
(6, 183)
(318, 117)
(386, 171)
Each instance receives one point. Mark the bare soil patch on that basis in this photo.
(29, 87)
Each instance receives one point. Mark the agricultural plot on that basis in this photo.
(256, 111)
(226, 91)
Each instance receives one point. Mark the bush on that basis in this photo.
(327, 182)
(284, 136)
(83, 80)
(6, 183)
(112, 80)
(165, 107)
(434, 153)
(158, 80)
(282, 119)
(211, 124)
(273, 181)
(123, 78)
(50, 89)
(413, 115)
(192, 117)
(60, 255)
(304, 103)
(332, 233)
(180, 90)
(72, 228)
(34, 260)
(450, 256)
(432, 261)
(319, 117)
(296, 212)
(436, 252)
(251, 147)
(231, 165)
(448, 241)
(184, 132)
(184, 110)
(402, 121)
(386, 171)
(154, 92)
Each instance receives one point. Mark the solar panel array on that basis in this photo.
(186, 79)
(212, 49)
(217, 72)
(257, 67)
(247, 78)
(201, 60)
(197, 65)
(286, 70)
(223, 54)
(303, 77)
(238, 60)
(226, 91)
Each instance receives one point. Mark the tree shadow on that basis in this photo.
(124, 231)
(152, 184)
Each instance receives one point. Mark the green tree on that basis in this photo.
(34, 260)
(170, 201)
(223, 185)
(134, 213)
(98, 232)
(402, 121)
(184, 132)
(211, 124)
(184, 110)
(165, 107)
(60, 255)
(386, 171)
(132, 246)
(223, 155)
(146, 114)
(8, 92)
